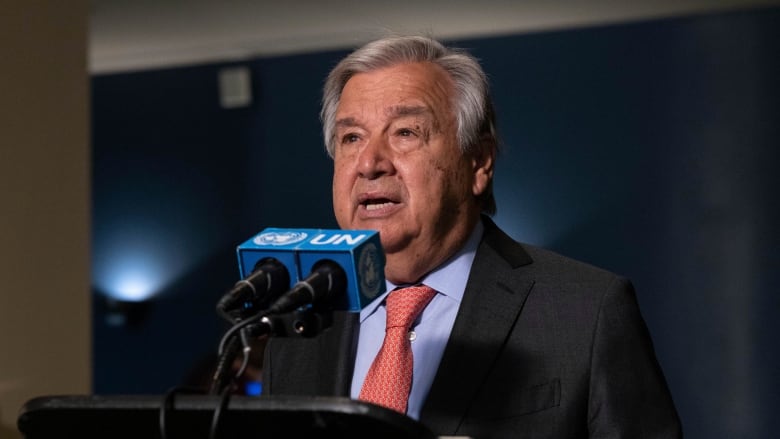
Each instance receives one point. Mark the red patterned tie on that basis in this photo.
(390, 377)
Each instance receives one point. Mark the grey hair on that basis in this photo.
(473, 106)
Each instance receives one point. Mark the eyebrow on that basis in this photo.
(393, 112)
(347, 122)
(416, 110)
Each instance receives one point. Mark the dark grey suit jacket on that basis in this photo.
(542, 347)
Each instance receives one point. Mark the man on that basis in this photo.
(517, 341)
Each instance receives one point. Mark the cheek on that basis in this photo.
(343, 186)
(341, 191)
(341, 178)
(341, 210)
(450, 178)
(456, 195)
(431, 191)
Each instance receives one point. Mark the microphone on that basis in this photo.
(358, 253)
(346, 273)
(327, 279)
(269, 279)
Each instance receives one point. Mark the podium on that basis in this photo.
(190, 416)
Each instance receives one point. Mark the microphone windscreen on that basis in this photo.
(358, 252)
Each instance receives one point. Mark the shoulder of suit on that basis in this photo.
(543, 262)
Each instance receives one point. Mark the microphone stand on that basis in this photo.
(222, 374)
(303, 322)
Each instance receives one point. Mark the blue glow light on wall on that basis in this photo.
(130, 275)
(136, 260)
(133, 282)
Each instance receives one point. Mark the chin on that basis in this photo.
(392, 243)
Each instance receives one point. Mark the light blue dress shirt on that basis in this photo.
(431, 330)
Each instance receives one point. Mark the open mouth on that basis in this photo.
(376, 204)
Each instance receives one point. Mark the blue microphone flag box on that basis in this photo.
(358, 252)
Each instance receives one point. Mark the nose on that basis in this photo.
(375, 159)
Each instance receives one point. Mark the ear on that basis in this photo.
(482, 168)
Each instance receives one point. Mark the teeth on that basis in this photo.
(378, 205)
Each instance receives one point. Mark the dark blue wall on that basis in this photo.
(646, 148)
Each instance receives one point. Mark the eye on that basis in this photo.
(349, 138)
(406, 132)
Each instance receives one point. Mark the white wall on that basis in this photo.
(45, 338)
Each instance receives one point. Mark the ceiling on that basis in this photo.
(127, 35)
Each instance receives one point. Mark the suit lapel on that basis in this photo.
(493, 299)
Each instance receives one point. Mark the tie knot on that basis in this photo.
(405, 304)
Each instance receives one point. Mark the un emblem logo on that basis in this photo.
(279, 238)
(369, 266)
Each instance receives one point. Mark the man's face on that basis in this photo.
(398, 168)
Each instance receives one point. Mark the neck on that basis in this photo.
(414, 262)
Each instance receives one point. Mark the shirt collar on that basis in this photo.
(449, 278)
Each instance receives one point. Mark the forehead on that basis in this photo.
(399, 90)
